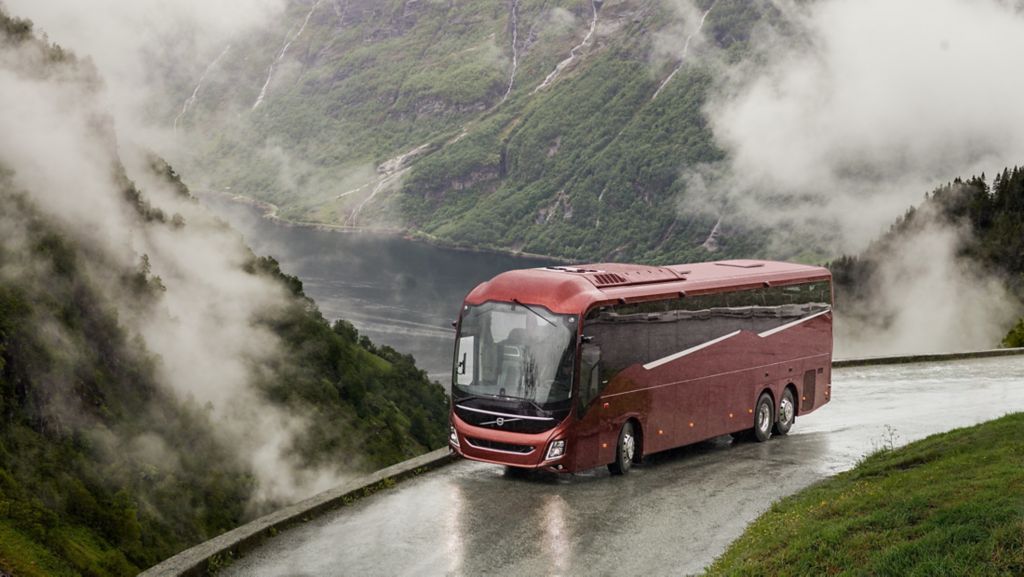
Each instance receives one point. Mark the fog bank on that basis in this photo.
(837, 126)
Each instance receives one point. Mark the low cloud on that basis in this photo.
(864, 106)
(926, 299)
(834, 128)
(144, 48)
(204, 329)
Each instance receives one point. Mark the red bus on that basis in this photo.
(569, 368)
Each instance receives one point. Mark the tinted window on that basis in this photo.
(631, 334)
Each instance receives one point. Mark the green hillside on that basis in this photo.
(990, 217)
(487, 124)
(104, 469)
(950, 504)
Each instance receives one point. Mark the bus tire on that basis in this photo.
(787, 413)
(625, 449)
(764, 417)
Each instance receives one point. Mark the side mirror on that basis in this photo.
(464, 373)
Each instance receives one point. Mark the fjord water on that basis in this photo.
(398, 292)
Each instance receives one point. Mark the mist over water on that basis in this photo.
(398, 292)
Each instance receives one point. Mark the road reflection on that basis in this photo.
(671, 516)
(557, 540)
(454, 528)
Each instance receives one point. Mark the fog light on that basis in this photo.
(453, 437)
(555, 450)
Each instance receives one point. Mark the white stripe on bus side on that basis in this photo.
(681, 354)
(768, 333)
(771, 332)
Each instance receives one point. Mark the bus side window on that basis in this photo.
(590, 375)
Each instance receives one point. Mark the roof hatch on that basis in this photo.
(740, 263)
(611, 275)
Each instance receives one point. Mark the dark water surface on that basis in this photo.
(397, 292)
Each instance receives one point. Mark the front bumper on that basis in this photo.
(528, 451)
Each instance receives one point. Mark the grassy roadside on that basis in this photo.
(951, 504)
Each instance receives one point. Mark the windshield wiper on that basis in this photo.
(527, 307)
(470, 397)
(539, 408)
(467, 397)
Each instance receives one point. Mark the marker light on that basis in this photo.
(555, 450)
(453, 437)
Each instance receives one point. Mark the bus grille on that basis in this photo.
(510, 423)
(496, 446)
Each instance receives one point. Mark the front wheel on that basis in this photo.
(625, 449)
(787, 413)
(763, 418)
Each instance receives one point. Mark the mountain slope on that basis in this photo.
(558, 127)
(953, 265)
(159, 384)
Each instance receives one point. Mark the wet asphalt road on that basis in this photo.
(671, 516)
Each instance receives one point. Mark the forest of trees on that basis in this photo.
(72, 503)
(104, 470)
(992, 216)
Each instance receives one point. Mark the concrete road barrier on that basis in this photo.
(933, 358)
(205, 558)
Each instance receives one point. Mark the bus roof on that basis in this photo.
(574, 289)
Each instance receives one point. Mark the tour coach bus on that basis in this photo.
(569, 368)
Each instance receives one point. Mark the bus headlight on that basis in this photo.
(453, 437)
(556, 449)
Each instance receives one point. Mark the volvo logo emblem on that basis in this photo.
(499, 422)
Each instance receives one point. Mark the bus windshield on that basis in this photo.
(515, 351)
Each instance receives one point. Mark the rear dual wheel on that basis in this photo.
(787, 413)
(766, 421)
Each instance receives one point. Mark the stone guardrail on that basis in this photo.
(206, 558)
(931, 358)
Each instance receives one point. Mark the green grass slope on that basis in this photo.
(951, 504)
